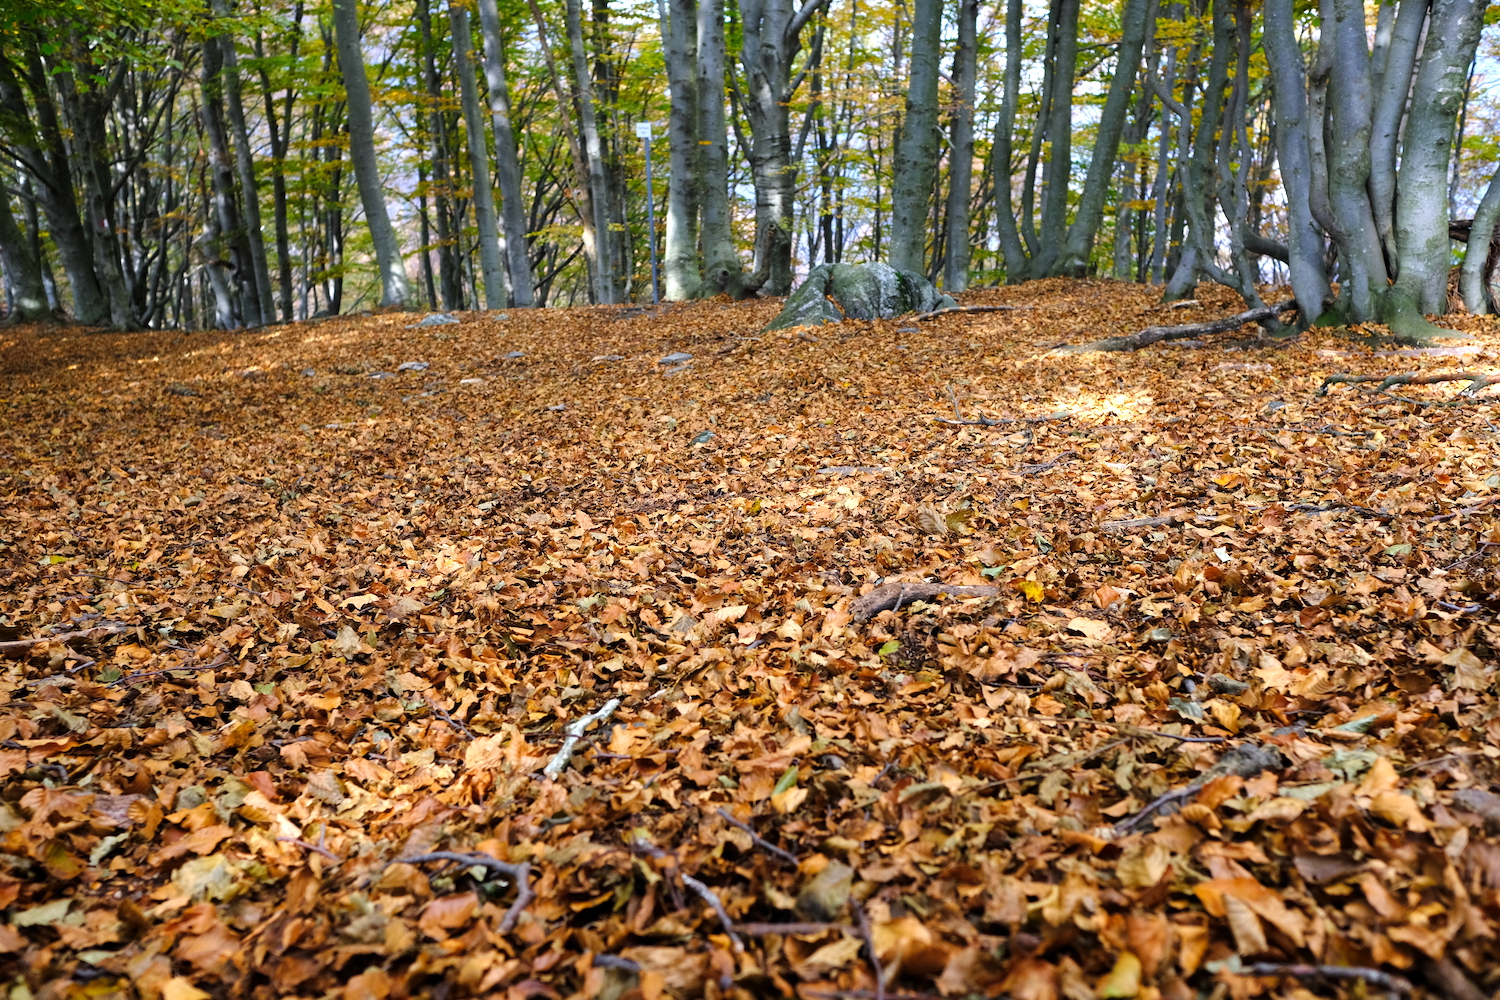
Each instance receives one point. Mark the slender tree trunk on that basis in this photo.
(721, 264)
(1394, 61)
(490, 262)
(1057, 170)
(507, 162)
(961, 156)
(230, 249)
(1139, 17)
(280, 131)
(54, 189)
(245, 166)
(583, 91)
(1473, 281)
(1017, 266)
(22, 269)
(1421, 222)
(771, 33)
(917, 146)
(1290, 114)
(395, 288)
(680, 253)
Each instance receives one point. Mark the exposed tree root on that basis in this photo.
(967, 309)
(1477, 382)
(1157, 334)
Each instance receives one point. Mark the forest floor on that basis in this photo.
(280, 611)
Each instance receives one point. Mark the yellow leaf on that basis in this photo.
(1124, 980)
(1226, 714)
(1032, 589)
(179, 988)
(1400, 811)
(1249, 936)
(1096, 630)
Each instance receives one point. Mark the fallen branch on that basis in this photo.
(967, 309)
(892, 596)
(1142, 522)
(520, 874)
(984, 421)
(21, 646)
(1245, 761)
(761, 930)
(781, 854)
(1157, 334)
(1476, 380)
(1467, 510)
(1374, 977)
(1032, 469)
(573, 733)
(718, 907)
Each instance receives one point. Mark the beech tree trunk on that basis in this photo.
(916, 156)
(680, 252)
(961, 156)
(1057, 168)
(479, 161)
(1138, 17)
(721, 263)
(583, 91)
(245, 167)
(22, 271)
(507, 161)
(395, 288)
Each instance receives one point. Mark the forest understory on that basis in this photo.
(295, 626)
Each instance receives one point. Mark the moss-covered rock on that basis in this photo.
(834, 292)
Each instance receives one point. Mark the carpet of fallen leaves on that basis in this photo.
(282, 608)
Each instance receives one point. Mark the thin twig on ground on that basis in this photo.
(441, 713)
(1477, 382)
(781, 854)
(317, 848)
(520, 874)
(712, 899)
(1375, 977)
(573, 733)
(761, 930)
(15, 646)
(1039, 467)
(984, 421)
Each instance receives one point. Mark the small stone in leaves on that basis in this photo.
(1159, 635)
(309, 372)
(558, 407)
(703, 438)
(412, 366)
(512, 355)
(676, 357)
(383, 375)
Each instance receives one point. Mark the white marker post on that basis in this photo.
(643, 131)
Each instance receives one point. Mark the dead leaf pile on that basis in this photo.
(287, 646)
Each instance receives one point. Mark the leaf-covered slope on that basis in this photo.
(330, 621)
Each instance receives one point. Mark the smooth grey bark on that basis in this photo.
(961, 155)
(394, 286)
(1012, 252)
(721, 264)
(1290, 121)
(582, 192)
(507, 161)
(1057, 168)
(1394, 62)
(22, 270)
(450, 273)
(1421, 221)
(1472, 281)
(48, 165)
(771, 33)
(588, 127)
(280, 131)
(915, 162)
(231, 250)
(680, 277)
(245, 166)
(1161, 182)
(490, 263)
(1196, 161)
(1138, 18)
